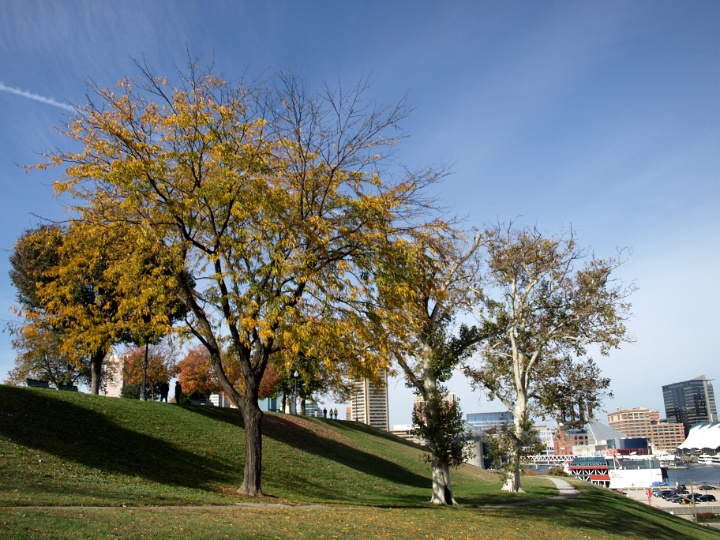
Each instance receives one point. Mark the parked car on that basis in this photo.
(674, 499)
(706, 487)
(707, 498)
(694, 497)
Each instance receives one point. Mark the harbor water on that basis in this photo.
(698, 474)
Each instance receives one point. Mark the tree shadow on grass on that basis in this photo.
(342, 425)
(219, 414)
(50, 424)
(297, 432)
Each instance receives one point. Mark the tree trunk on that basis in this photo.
(512, 475)
(143, 390)
(252, 416)
(441, 485)
(96, 362)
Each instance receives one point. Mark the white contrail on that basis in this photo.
(36, 97)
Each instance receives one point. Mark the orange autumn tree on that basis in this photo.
(270, 382)
(160, 366)
(195, 374)
(270, 198)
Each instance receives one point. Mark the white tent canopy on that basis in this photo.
(703, 436)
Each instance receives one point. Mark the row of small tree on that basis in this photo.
(270, 223)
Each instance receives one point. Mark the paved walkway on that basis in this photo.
(565, 489)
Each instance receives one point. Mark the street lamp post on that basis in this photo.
(295, 395)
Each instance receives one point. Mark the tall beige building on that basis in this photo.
(112, 382)
(369, 404)
(633, 422)
(642, 422)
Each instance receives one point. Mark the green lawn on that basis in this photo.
(133, 459)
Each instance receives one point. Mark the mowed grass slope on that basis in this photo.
(67, 449)
(63, 448)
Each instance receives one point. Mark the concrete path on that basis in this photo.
(565, 489)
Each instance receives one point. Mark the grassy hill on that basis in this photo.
(133, 459)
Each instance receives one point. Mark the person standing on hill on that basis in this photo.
(178, 392)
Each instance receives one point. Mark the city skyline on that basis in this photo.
(602, 117)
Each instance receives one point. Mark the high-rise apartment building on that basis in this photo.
(112, 380)
(634, 422)
(642, 422)
(369, 403)
(690, 402)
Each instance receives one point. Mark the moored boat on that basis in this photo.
(619, 472)
(707, 459)
(672, 462)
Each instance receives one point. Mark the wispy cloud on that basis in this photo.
(35, 97)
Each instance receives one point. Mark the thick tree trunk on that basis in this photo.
(252, 416)
(441, 486)
(96, 362)
(513, 473)
(512, 477)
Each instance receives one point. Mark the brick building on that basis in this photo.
(642, 422)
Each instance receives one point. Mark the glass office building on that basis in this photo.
(490, 420)
(690, 402)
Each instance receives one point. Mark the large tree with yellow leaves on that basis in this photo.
(270, 198)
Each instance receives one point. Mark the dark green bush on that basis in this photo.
(557, 471)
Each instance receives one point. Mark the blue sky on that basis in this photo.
(600, 115)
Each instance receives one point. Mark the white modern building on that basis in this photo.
(703, 437)
(546, 435)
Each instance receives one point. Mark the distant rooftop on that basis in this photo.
(597, 432)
